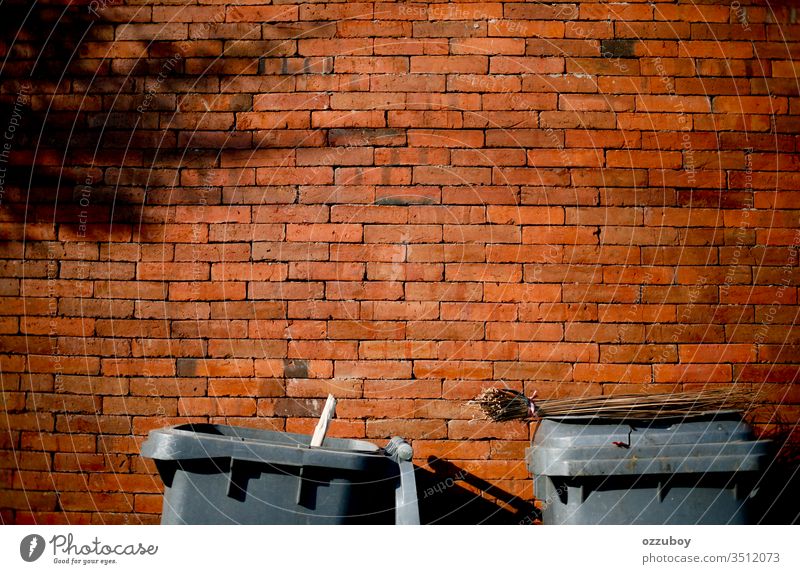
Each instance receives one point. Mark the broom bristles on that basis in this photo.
(505, 404)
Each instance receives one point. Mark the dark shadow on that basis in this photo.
(88, 126)
(443, 499)
(48, 98)
(776, 501)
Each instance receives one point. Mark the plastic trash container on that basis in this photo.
(698, 471)
(216, 474)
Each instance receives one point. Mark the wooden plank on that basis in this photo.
(328, 412)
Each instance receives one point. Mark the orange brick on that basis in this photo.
(730, 353)
(346, 233)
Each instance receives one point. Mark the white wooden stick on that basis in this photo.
(328, 412)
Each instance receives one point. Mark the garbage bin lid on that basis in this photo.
(721, 443)
(204, 441)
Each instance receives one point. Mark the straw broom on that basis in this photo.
(505, 405)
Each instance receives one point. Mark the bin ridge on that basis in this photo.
(218, 474)
(696, 471)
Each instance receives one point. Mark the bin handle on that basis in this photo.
(406, 505)
(399, 449)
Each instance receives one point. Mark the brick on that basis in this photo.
(405, 272)
(692, 373)
(558, 352)
(399, 310)
(71, 423)
(372, 369)
(523, 332)
(479, 429)
(458, 330)
(525, 65)
(273, 120)
(452, 369)
(780, 374)
(316, 175)
(326, 271)
(214, 367)
(492, 350)
(322, 310)
(206, 291)
(60, 325)
(644, 159)
(537, 371)
(612, 373)
(164, 271)
(369, 214)
(478, 311)
(365, 330)
(758, 294)
(255, 347)
(409, 156)
(372, 290)
(750, 104)
(451, 450)
(488, 46)
(226, 271)
(603, 333)
(217, 406)
(261, 13)
(222, 387)
(373, 176)
(711, 49)
(483, 272)
(320, 232)
(525, 215)
(472, 64)
(397, 349)
(673, 104)
(52, 364)
(407, 428)
(335, 156)
(348, 119)
(404, 234)
(426, 175)
(445, 138)
(282, 101)
(363, 65)
(320, 388)
(729, 353)
(171, 310)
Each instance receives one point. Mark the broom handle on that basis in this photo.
(531, 404)
(328, 412)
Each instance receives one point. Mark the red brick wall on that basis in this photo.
(224, 211)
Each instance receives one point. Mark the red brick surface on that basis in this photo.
(222, 212)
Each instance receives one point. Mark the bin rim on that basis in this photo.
(364, 447)
(599, 419)
(714, 444)
(176, 443)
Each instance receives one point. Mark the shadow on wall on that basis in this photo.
(443, 499)
(449, 495)
(776, 501)
(86, 127)
(47, 97)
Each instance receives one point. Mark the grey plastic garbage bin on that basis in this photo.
(699, 471)
(216, 474)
